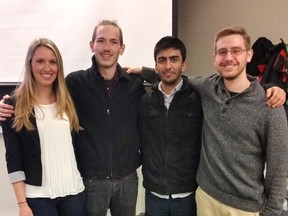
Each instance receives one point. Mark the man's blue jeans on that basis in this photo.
(155, 206)
(72, 205)
(119, 195)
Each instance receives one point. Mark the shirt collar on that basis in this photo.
(169, 97)
(177, 88)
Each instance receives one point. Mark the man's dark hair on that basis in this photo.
(170, 42)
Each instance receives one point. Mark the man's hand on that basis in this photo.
(276, 96)
(6, 110)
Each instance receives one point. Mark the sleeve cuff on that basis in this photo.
(17, 176)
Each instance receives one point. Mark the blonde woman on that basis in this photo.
(39, 136)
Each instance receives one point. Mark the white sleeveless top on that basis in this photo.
(60, 175)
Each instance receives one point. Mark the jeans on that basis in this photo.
(155, 206)
(119, 195)
(72, 205)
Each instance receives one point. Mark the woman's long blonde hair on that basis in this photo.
(25, 93)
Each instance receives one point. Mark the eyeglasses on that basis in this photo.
(234, 52)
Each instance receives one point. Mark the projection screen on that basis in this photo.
(70, 23)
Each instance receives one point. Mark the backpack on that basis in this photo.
(269, 63)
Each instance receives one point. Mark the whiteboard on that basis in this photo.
(70, 24)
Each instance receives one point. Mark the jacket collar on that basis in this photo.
(121, 73)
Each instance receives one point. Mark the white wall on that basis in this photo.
(200, 20)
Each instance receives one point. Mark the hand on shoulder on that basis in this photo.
(6, 110)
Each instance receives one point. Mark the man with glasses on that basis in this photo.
(241, 135)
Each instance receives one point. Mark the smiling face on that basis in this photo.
(107, 46)
(233, 64)
(44, 67)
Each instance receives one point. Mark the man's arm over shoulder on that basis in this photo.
(276, 96)
(6, 110)
(148, 74)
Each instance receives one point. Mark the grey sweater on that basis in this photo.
(241, 134)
